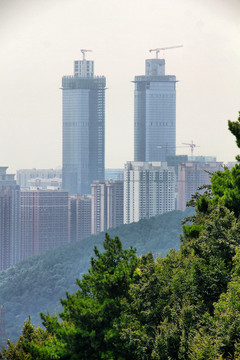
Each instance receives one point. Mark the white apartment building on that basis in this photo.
(107, 205)
(149, 190)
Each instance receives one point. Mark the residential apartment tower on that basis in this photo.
(44, 221)
(149, 190)
(10, 223)
(107, 205)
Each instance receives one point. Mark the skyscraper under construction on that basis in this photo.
(154, 112)
(83, 134)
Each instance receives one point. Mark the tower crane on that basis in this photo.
(157, 50)
(166, 147)
(83, 51)
(192, 146)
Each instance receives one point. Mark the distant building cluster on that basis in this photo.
(40, 179)
(46, 208)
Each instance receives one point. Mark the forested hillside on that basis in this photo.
(38, 283)
(185, 305)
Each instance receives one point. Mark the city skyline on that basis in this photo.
(37, 50)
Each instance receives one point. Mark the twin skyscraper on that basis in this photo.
(83, 146)
(83, 113)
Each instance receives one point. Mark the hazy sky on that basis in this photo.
(40, 39)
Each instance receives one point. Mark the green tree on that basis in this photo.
(20, 350)
(227, 316)
(88, 325)
(225, 185)
(234, 127)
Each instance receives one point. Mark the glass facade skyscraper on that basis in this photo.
(154, 113)
(83, 135)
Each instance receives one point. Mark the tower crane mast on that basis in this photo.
(192, 146)
(83, 51)
(157, 50)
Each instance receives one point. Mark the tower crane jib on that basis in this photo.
(191, 145)
(157, 50)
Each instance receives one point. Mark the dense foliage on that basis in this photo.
(38, 283)
(183, 306)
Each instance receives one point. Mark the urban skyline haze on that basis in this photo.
(40, 40)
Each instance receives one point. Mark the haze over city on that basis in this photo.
(41, 39)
